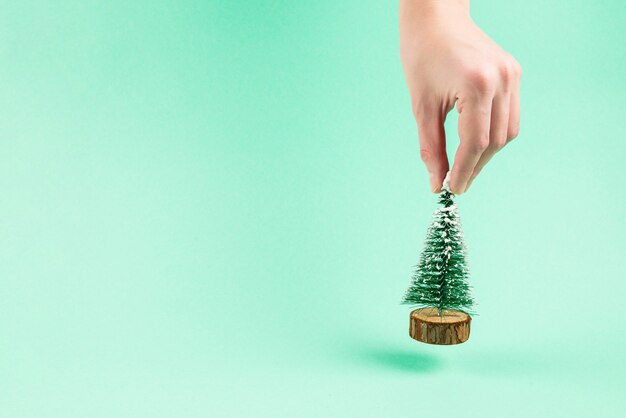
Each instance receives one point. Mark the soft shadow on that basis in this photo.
(407, 361)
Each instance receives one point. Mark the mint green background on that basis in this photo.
(212, 209)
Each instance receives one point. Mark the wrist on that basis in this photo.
(425, 12)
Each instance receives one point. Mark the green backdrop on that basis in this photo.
(212, 209)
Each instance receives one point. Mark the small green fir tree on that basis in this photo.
(440, 279)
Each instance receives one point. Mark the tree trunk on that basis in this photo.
(428, 325)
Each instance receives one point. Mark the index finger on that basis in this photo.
(474, 121)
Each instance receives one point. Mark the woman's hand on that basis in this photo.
(447, 59)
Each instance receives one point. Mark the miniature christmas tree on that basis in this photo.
(439, 287)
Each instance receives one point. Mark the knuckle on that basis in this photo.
(425, 155)
(506, 71)
(482, 79)
(480, 144)
(513, 68)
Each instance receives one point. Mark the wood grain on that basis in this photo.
(447, 327)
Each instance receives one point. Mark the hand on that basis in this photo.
(447, 59)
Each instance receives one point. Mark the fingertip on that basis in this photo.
(456, 191)
(436, 182)
(455, 185)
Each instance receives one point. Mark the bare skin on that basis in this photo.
(448, 60)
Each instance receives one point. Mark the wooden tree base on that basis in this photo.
(428, 326)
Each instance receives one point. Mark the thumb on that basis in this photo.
(432, 139)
